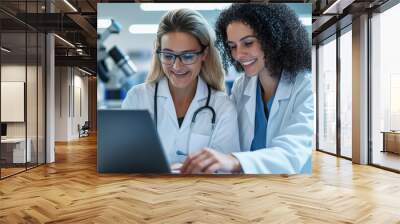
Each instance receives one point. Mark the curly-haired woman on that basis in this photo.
(274, 97)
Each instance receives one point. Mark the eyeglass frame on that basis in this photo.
(197, 53)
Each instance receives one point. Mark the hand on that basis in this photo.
(175, 168)
(209, 161)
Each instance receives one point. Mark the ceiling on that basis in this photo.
(331, 15)
(76, 24)
(79, 27)
(22, 20)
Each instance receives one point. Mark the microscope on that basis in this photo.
(111, 81)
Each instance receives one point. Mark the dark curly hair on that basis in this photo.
(283, 38)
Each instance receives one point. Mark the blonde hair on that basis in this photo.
(191, 22)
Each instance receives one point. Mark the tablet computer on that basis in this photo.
(127, 142)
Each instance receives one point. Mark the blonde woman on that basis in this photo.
(184, 90)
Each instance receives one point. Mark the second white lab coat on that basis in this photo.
(225, 137)
(290, 126)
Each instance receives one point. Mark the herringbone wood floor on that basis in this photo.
(70, 191)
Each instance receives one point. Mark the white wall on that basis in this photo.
(61, 103)
(71, 94)
(14, 73)
(33, 126)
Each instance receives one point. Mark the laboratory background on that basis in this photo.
(126, 34)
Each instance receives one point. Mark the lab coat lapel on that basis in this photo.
(165, 102)
(198, 101)
(283, 92)
(249, 102)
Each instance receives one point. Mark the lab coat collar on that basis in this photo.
(250, 83)
(248, 101)
(285, 86)
(163, 88)
(283, 92)
(201, 89)
(167, 105)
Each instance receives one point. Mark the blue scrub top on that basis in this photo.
(261, 120)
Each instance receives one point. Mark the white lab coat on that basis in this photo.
(224, 138)
(290, 126)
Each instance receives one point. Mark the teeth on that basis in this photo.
(248, 62)
(180, 73)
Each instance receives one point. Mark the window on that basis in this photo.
(327, 96)
(22, 66)
(346, 92)
(385, 87)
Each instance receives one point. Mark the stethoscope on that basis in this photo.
(206, 107)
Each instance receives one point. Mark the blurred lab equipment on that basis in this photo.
(112, 82)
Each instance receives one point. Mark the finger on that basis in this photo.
(190, 158)
(212, 168)
(199, 166)
(202, 160)
(194, 163)
(185, 164)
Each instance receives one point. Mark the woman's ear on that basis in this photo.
(205, 53)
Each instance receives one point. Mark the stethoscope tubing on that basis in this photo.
(193, 121)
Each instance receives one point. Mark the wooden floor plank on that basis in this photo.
(71, 191)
